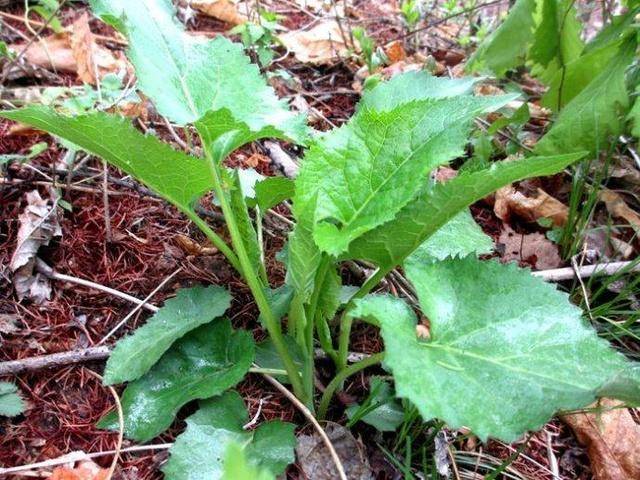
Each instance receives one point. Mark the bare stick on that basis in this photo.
(52, 274)
(105, 202)
(307, 413)
(586, 271)
(62, 359)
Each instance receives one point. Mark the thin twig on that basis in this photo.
(138, 307)
(49, 272)
(118, 448)
(105, 202)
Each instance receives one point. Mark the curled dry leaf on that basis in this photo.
(618, 208)
(318, 45)
(38, 225)
(74, 51)
(510, 201)
(86, 470)
(532, 248)
(612, 438)
(225, 10)
(395, 51)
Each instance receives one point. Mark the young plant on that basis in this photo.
(372, 58)
(506, 351)
(259, 38)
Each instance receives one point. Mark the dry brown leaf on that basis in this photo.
(617, 207)
(395, 51)
(225, 10)
(612, 438)
(74, 51)
(86, 470)
(510, 201)
(38, 225)
(191, 247)
(532, 248)
(319, 45)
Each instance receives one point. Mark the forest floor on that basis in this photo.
(132, 241)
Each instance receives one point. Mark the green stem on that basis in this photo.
(341, 377)
(214, 238)
(345, 319)
(255, 285)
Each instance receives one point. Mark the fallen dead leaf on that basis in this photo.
(86, 470)
(612, 438)
(319, 45)
(617, 207)
(225, 10)
(510, 201)
(315, 461)
(395, 51)
(74, 51)
(38, 225)
(191, 247)
(532, 248)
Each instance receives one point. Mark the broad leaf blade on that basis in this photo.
(363, 173)
(596, 115)
(188, 77)
(198, 452)
(381, 410)
(11, 403)
(389, 244)
(205, 362)
(507, 46)
(237, 466)
(507, 350)
(459, 237)
(273, 190)
(179, 178)
(414, 86)
(135, 354)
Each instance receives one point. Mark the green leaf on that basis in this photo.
(411, 86)
(189, 77)
(204, 363)
(11, 403)
(273, 190)
(279, 300)
(244, 223)
(596, 114)
(179, 178)
(634, 117)
(507, 46)
(507, 350)
(380, 410)
(199, 452)
(303, 255)
(557, 37)
(268, 357)
(389, 244)
(135, 354)
(577, 75)
(237, 467)
(459, 237)
(363, 173)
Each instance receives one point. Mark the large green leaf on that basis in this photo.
(557, 37)
(596, 115)
(237, 466)
(11, 403)
(577, 75)
(204, 363)
(507, 46)
(178, 177)
(459, 237)
(188, 77)
(389, 244)
(414, 86)
(363, 173)
(506, 349)
(273, 190)
(135, 354)
(198, 453)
